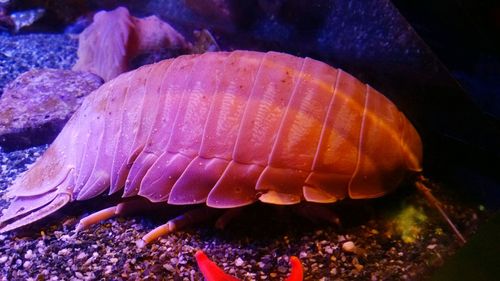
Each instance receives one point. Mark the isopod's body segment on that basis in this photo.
(225, 129)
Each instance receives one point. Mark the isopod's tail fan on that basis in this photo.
(41, 191)
(17, 216)
(421, 186)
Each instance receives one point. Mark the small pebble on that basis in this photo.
(356, 264)
(282, 269)
(109, 270)
(66, 238)
(349, 247)
(239, 262)
(28, 255)
(169, 267)
(63, 252)
(81, 256)
(431, 246)
(329, 250)
(3, 259)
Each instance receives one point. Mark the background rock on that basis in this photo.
(36, 105)
(24, 52)
(114, 38)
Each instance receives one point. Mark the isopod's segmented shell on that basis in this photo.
(228, 129)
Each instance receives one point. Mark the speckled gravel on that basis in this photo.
(256, 246)
(21, 53)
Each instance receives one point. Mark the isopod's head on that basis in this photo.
(390, 150)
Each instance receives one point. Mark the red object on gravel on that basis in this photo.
(212, 272)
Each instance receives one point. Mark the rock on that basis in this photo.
(26, 18)
(36, 105)
(153, 34)
(103, 45)
(107, 46)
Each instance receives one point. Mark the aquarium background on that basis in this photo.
(439, 62)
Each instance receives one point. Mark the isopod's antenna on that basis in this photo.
(420, 183)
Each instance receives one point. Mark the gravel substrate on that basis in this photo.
(24, 52)
(256, 246)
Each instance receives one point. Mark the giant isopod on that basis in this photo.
(224, 129)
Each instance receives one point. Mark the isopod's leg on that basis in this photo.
(133, 206)
(310, 211)
(227, 217)
(189, 218)
(316, 212)
(95, 218)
